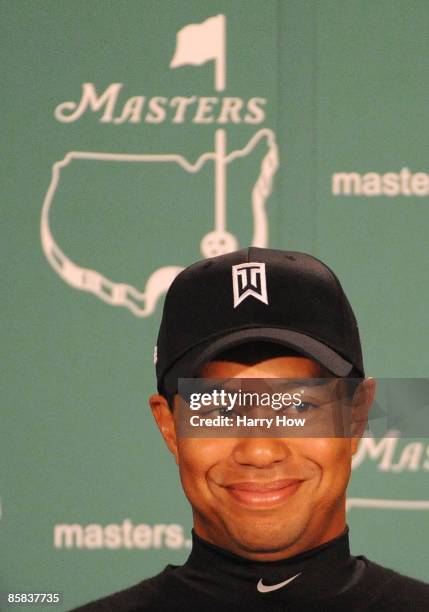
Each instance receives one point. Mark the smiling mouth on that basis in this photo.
(258, 494)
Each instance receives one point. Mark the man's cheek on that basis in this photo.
(332, 455)
(337, 463)
(199, 450)
(196, 459)
(332, 448)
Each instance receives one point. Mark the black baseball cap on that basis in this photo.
(282, 297)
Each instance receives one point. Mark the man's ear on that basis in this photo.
(165, 420)
(361, 404)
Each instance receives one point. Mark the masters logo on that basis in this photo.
(196, 45)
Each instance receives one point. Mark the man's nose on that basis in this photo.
(261, 452)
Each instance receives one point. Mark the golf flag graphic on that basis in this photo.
(200, 42)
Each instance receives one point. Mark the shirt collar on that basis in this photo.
(319, 572)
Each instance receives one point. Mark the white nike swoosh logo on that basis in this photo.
(262, 588)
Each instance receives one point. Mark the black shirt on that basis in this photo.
(324, 578)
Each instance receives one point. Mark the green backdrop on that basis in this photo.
(298, 125)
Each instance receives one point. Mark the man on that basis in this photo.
(269, 519)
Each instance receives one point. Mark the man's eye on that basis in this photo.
(218, 411)
(304, 406)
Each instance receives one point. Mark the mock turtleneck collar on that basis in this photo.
(321, 572)
(335, 550)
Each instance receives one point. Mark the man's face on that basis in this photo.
(263, 498)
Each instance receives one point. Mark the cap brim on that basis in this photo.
(188, 365)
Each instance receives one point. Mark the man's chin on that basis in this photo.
(265, 540)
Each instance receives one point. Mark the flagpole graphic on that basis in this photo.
(196, 44)
(220, 180)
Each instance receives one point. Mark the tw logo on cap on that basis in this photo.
(249, 279)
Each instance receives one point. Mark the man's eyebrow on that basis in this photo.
(298, 382)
